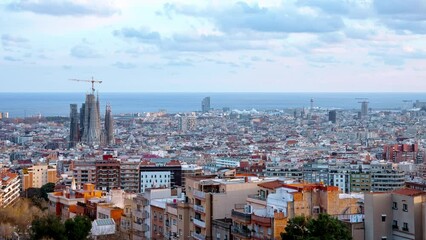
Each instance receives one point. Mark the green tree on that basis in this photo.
(324, 227)
(45, 189)
(78, 228)
(48, 227)
(296, 229)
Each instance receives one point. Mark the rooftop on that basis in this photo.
(409, 192)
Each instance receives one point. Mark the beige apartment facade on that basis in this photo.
(395, 215)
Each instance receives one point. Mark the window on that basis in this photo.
(405, 227)
(404, 207)
(395, 224)
(383, 217)
(394, 205)
(180, 216)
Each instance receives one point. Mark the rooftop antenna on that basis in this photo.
(93, 81)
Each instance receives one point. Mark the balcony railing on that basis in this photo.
(246, 233)
(199, 208)
(198, 236)
(237, 215)
(199, 222)
(199, 194)
(141, 227)
(263, 221)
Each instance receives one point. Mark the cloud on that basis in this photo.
(242, 17)
(64, 7)
(11, 41)
(84, 51)
(402, 16)
(192, 42)
(408, 9)
(123, 65)
(12, 59)
(180, 63)
(345, 8)
(141, 35)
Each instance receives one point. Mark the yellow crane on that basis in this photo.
(93, 81)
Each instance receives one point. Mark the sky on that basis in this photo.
(213, 45)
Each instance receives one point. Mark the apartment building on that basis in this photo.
(9, 187)
(64, 203)
(141, 211)
(159, 174)
(398, 214)
(83, 171)
(38, 175)
(107, 173)
(129, 175)
(265, 215)
(355, 176)
(213, 198)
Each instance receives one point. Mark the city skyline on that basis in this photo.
(250, 46)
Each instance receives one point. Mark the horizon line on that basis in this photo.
(193, 92)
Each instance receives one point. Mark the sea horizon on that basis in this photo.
(24, 104)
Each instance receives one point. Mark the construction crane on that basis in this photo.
(93, 81)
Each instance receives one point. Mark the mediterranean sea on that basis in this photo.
(57, 104)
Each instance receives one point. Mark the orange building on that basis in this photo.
(65, 204)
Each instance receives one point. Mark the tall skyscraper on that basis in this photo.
(364, 108)
(109, 126)
(74, 126)
(92, 121)
(205, 104)
(332, 116)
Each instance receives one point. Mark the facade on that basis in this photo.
(205, 105)
(214, 199)
(74, 126)
(64, 204)
(129, 176)
(141, 210)
(221, 229)
(38, 175)
(157, 222)
(9, 187)
(265, 215)
(107, 174)
(395, 215)
(109, 126)
(189, 170)
(153, 174)
(84, 171)
(364, 108)
(187, 123)
(332, 116)
(92, 121)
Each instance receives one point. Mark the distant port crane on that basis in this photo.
(93, 81)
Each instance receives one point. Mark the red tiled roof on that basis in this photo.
(271, 185)
(409, 192)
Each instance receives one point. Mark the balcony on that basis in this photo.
(241, 233)
(199, 208)
(241, 216)
(199, 194)
(255, 198)
(199, 222)
(262, 221)
(198, 236)
(140, 227)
